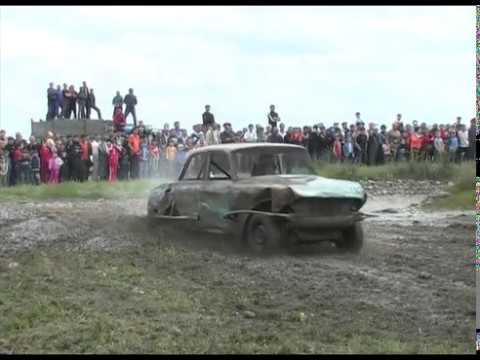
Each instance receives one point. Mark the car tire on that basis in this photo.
(264, 235)
(352, 239)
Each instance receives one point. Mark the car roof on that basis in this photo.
(239, 146)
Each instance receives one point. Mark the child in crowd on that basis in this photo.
(143, 160)
(170, 156)
(54, 165)
(452, 144)
(154, 158)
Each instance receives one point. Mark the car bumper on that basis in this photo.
(324, 222)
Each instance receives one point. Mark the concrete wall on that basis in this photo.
(72, 127)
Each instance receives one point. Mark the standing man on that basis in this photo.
(207, 118)
(65, 101)
(58, 102)
(92, 105)
(82, 101)
(273, 117)
(130, 103)
(117, 103)
(51, 98)
(134, 146)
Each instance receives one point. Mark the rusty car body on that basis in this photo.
(266, 195)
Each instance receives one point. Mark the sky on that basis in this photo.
(316, 64)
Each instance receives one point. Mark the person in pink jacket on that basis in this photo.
(54, 165)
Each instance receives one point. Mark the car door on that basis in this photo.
(215, 195)
(186, 190)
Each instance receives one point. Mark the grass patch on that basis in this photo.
(74, 190)
(147, 301)
(442, 171)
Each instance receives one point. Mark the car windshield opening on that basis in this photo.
(275, 161)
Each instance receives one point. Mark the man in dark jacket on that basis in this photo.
(275, 137)
(208, 119)
(92, 105)
(273, 117)
(130, 103)
(82, 101)
(227, 136)
(51, 98)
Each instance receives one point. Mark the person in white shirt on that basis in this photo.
(250, 135)
(95, 144)
(463, 143)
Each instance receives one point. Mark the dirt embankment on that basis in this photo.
(414, 278)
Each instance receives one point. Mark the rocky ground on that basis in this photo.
(413, 282)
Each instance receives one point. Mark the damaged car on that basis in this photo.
(266, 195)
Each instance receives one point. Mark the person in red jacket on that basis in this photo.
(45, 155)
(119, 120)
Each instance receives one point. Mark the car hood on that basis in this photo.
(310, 185)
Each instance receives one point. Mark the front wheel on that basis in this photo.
(352, 238)
(264, 234)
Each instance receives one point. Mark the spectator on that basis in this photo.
(143, 159)
(282, 131)
(58, 107)
(83, 94)
(3, 168)
(86, 149)
(273, 117)
(117, 103)
(35, 167)
(439, 146)
(65, 101)
(95, 144)
(45, 156)
(113, 152)
(472, 139)
(171, 156)
(91, 104)
(102, 159)
(275, 137)
(54, 165)
(130, 104)
(452, 145)
(208, 120)
(463, 145)
(51, 99)
(134, 145)
(119, 121)
(251, 135)
(227, 136)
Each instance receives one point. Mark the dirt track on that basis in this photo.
(413, 279)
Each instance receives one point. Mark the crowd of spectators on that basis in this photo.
(141, 152)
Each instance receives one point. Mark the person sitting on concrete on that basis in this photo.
(117, 102)
(119, 121)
(130, 103)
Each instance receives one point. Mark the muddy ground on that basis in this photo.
(413, 280)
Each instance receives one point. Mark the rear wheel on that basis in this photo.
(352, 239)
(264, 234)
